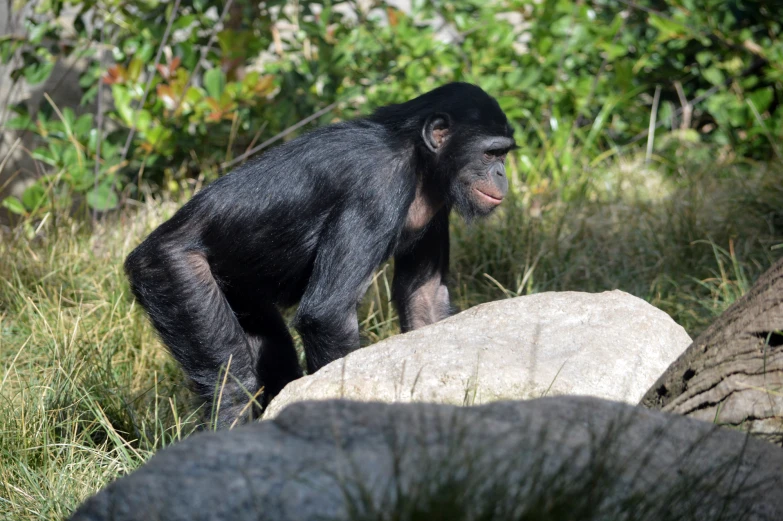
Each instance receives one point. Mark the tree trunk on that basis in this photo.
(732, 374)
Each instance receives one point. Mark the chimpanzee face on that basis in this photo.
(472, 164)
(480, 183)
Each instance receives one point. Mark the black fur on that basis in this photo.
(309, 222)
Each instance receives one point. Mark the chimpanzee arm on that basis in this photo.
(420, 292)
(349, 251)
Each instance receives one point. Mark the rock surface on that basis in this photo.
(611, 345)
(551, 458)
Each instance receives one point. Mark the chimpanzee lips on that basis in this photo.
(492, 198)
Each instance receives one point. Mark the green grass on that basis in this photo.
(87, 392)
(690, 245)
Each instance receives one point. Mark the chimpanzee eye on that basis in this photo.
(496, 154)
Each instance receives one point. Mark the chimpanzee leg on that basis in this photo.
(199, 327)
(278, 362)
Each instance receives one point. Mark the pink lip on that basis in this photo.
(489, 198)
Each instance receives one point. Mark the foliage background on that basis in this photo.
(650, 160)
(189, 86)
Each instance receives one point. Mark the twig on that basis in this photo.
(257, 135)
(714, 37)
(149, 80)
(594, 86)
(653, 117)
(17, 84)
(701, 97)
(687, 108)
(195, 71)
(11, 26)
(233, 133)
(99, 123)
(295, 126)
(5, 160)
(253, 401)
(228, 164)
(767, 133)
(216, 410)
(561, 61)
(204, 51)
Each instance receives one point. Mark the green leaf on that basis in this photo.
(160, 139)
(714, 75)
(81, 177)
(82, 127)
(613, 50)
(689, 135)
(667, 29)
(134, 69)
(143, 120)
(72, 159)
(762, 98)
(14, 205)
(529, 78)
(34, 197)
(225, 40)
(703, 58)
(20, 122)
(69, 118)
(184, 22)
(36, 32)
(122, 100)
(214, 82)
(8, 48)
(102, 198)
(145, 53)
(38, 72)
(192, 97)
(45, 155)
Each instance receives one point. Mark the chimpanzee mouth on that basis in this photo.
(489, 198)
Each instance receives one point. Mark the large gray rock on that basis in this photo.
(611, 345)
(552, 458)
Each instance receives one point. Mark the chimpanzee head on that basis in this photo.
(462, 137)
(468, 138)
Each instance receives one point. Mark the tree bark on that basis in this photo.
(732, 374)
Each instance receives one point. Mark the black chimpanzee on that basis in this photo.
(309, 222)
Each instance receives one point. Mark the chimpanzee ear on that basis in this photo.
(436, 131)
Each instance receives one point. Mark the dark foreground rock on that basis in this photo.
(732, 374)
(552, 458)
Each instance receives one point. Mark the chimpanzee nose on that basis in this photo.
(499, 170)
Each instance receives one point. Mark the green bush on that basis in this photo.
(576, 78)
